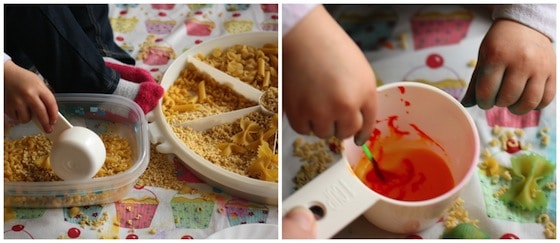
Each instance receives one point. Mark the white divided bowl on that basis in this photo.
(167, 142)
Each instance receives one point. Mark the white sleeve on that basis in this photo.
(6, 57)
(293, 13)
(541, 17)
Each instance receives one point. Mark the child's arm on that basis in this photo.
(26, 95)
(329, 88)
(516, 65)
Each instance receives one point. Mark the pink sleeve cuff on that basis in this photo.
(541, 17)
(6, 57)
(293, 13)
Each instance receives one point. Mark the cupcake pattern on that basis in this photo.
(155, 52)
(137, 211)
(435, 73)
(501, 116)
(192, 213)
(244, 212)
(371, 27)
(440, 25)
(156, 33)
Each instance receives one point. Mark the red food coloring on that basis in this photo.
(274, 16)
(402, 89)
(123, 12)
(394, 128)
(159, 40)
(236, 15)
(154, 70)
(332, 147)
(198, 12)
(132, 237)
(513, 146)
(162, 14)
(18, 227)
(119, 38)
(197, 42)
(434, 61)
(187, 237)
(406, 102)
(414, 237)
(509, 236)
(74, 233)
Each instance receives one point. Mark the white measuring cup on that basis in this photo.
(337, 196)
(77, 153)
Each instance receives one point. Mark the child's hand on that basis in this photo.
(329, 88)
(26, 95)
(516, 69)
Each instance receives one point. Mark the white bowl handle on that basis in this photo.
(340, 195)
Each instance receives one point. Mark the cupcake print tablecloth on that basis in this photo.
(155, 34)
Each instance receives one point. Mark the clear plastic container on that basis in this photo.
(96, 112)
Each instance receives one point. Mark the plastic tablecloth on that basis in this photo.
(161, 32)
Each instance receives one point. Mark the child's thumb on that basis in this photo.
(299, 223)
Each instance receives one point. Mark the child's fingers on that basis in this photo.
(488, 84)
(41, 114)
(470, 96)
(347, 124)
(51, 107)
(530, 99)
(300, 125)
(23, 114)
(511, 88)
(368, 123)
(323, 127)
(549, 93)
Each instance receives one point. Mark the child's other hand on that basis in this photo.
(329, 88)
(516, 68)
(26, 95)
(299, 223)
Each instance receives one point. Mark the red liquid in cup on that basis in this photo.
(418, 174)
(414, 166)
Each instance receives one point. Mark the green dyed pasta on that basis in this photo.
(525, 191)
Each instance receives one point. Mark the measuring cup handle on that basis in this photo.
(340, 195)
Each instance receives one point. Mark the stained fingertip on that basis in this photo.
(361, 138)
(485, 104)
(517, 111)
(468, 101)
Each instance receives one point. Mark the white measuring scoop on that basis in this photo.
(77, 153)
(239, 86)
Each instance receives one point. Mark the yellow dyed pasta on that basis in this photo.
(210, 98)
(234, 146)
(247, 63)
(201, 91)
